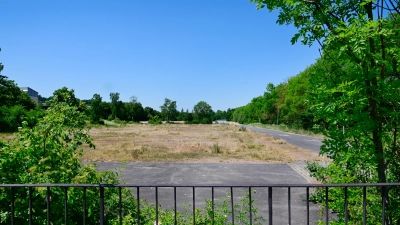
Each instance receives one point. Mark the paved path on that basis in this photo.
(303, 141)
(222, 173)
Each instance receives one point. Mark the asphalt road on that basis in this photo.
(222, 173)
(303, 141)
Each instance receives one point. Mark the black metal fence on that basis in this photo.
(269, 188)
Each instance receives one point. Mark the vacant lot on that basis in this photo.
(190, 143)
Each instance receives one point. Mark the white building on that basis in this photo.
(32, 93)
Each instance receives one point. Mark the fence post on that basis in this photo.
(101, 205)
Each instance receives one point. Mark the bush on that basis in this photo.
(33, 116)
(118, 121)
(242, 128)
(11, 118)
(49, 153)
(110, 118)
(155, 120)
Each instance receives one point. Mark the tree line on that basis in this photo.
(16, 106)
(286, 103)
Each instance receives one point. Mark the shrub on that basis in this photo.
(155, 120)
(242, 128)
(217, 149)
(11, 118)
(110, 118)
(33, 116)
(49, 153)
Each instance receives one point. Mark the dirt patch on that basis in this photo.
(190, 143)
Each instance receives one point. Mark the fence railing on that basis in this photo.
(269, 188)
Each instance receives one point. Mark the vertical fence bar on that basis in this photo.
(12, 205)
(346, 202)
(250, 207)
(101, 205)
(212, 204)
(289, 208)
(84, 205)
(326, 207)
(383, 205)
(308, 205)
(156, 205)
(175, 221)
(30, 205)
(364, 205)
(120, 205)
(232, 207)
(194, 207)
(66, 205)
(270, 205)
(48, 205)
(138, 205)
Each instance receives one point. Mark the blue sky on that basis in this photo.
(221, 52)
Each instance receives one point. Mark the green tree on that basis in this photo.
(202, 113)
(188, 117)
(105, 110)
(115, 107)
(135, 110)
(15, 106)
(42, 99)
(11, 95)
(229, 113)
(95, 109)
(262, 109)
(68, 96)
(219, 114)
(168, 110)
(64, 95)
(148, 111)
(296, 101)
(360, 55)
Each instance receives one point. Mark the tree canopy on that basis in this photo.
(355, 87)
(168, 109)
(202, 113)
(10, 94)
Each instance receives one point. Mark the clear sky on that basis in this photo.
(221, 52)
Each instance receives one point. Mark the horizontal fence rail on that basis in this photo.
(136, 190)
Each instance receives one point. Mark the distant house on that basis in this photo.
(32, 93)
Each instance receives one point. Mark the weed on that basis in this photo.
(278, 141)
(219, 213)
(251, 146)
(217, 149)
(137, 152)
(242, 128)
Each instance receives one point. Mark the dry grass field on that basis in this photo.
(190, 143)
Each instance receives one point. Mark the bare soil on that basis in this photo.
(190, 143)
